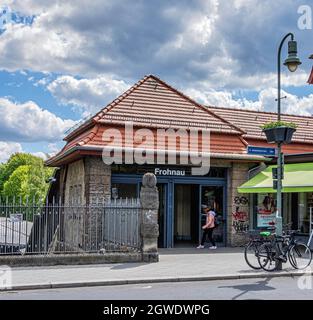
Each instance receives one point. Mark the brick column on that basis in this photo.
(149, 229)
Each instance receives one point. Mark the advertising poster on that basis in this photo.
(266, 211)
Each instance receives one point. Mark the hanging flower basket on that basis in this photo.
(279, 132)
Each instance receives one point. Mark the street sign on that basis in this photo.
(263, 151)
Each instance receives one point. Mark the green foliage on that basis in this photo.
(25, 176)
(276, 124)
(16, 160)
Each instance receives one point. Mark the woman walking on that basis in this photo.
(208, 228)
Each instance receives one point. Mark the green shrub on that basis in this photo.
(276, 124)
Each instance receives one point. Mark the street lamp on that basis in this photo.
(292, 62)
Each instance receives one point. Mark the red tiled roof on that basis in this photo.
(250, 121)
(151, 103)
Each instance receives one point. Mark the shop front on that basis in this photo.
(297, 198)
(181, 200)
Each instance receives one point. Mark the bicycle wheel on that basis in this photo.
(300, 256)
(251, 254)
(266, 257)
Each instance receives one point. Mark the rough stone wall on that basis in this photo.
(88, 181)
(237, 175)
(97, 179)
(75, 183)
(97, 191)
(149, 229)
(73, 232)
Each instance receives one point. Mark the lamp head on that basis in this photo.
(292, 62)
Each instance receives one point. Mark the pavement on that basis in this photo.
(175, 265)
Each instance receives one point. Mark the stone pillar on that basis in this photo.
(236, 209)
(149, 229)
(97, 191)
(97, 180)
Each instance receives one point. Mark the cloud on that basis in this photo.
(222, 99)
(7, 149)
(27, 122)
(226, 44)
(87, 94)
(42, 155)
(264, 102)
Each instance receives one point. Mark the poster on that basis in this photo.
(266, 211)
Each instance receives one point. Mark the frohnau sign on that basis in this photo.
(169, 172)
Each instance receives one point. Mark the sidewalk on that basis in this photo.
(175, 265)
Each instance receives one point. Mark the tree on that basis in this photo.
(16, 185)
(15, 161)
(25, 176)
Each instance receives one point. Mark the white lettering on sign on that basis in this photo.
(168, 172)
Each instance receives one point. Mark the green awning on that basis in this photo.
(298, 177)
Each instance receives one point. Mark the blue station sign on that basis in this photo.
(263, 151)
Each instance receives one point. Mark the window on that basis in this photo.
(265, 210)
(124, 190)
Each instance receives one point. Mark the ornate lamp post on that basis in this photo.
(292, 62)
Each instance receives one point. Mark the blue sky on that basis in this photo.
(61, 61)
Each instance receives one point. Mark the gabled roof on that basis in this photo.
(153, 103)
(251, 121)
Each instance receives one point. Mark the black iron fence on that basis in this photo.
(32, 228)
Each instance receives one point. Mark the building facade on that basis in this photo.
(156, 111)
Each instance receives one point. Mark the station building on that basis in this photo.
(238, 185)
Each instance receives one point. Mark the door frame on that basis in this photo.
(171, 181)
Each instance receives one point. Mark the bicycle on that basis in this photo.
(257, 239)
(282, 249)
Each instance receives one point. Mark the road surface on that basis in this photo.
(267, 288)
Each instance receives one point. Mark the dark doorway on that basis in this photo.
(162, 187)
(213, 197)
(186, 214)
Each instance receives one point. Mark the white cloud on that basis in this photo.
(265, 101)
(222, 99)
(28, 122)
(52, 147)
(222, 43)
(7, 149)
(292, 104)
(88, 94)
(42, 155)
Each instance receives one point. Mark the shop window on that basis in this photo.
(265, 210)
(305, 208)
(124, 190)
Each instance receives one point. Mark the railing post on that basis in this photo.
(149, 228)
